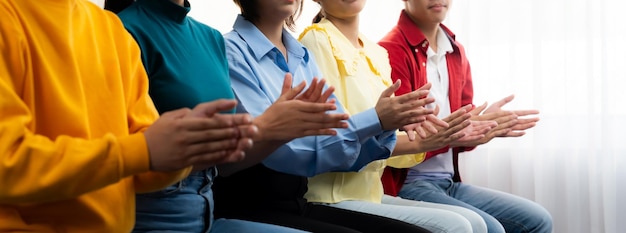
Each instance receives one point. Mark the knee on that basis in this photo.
(543, 222)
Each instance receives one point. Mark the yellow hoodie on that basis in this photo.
(73, 105)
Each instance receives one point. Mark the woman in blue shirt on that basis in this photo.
(259, 49)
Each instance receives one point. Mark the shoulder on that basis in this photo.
(315, 34)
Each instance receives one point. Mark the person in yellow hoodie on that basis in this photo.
(80, 134)
(360, 70)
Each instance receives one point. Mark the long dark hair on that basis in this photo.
(117, 5)
(248, 11)
(318, 17)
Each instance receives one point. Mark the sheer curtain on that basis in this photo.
(565, 58)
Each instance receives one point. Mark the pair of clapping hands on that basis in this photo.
(204, 137)
(467, 127)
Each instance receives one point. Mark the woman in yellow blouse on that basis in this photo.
(359, 70)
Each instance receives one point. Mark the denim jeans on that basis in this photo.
(435, 220)
(501, 211)
(187, 206)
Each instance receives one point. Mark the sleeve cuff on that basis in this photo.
(367, 124)
(134, 155)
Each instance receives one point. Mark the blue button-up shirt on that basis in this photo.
(257, 70)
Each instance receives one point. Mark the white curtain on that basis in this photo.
(565, 58)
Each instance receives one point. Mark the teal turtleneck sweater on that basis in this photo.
(185, 59)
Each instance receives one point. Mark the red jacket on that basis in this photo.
(407, 47)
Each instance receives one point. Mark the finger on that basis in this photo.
(309, 91)
(291, 94)
(391, 89)
(176, 114)
(287, 83)
(455, 137)
(319, 132)
(417, 96)
(458, 113)
(411, 134)
(499, 132)
(414, 116)
(208, 109)
(471, 138)
(476, 111)
(426, 86)
(201, 136)
(506, 121)
(244, 144)
(321, 121)
(523, 126)
(329, 91)
(413, 105)
(314, 107)
(317, 92)
(216, 122)
(525, 112)
(432, 118)
(459, 119)
(420, 131)
(496, 115)
(463, 126)
(514, 133)
(203, 148)
(248, 131)
(429, 127)
(502, 102)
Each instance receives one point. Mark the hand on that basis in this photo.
(296, 114)
(314, 93)
(184, 137)
(429, 125)
(457, 122)
(521, 124)
(396, 112)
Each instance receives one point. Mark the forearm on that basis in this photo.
(37, 170)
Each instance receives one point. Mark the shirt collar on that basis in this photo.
(345, 51)
(414, 35)
(166, 7)
(260, 45)
(443, 45)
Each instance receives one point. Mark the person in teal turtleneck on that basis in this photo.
(186, 65)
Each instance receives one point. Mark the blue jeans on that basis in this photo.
(501, 211)
(187, 207)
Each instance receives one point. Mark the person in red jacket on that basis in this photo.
(423, 50)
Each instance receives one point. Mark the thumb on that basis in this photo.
(391, 89)
(289, 93)
(208, 109)
(502, 102)
(476, 111)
